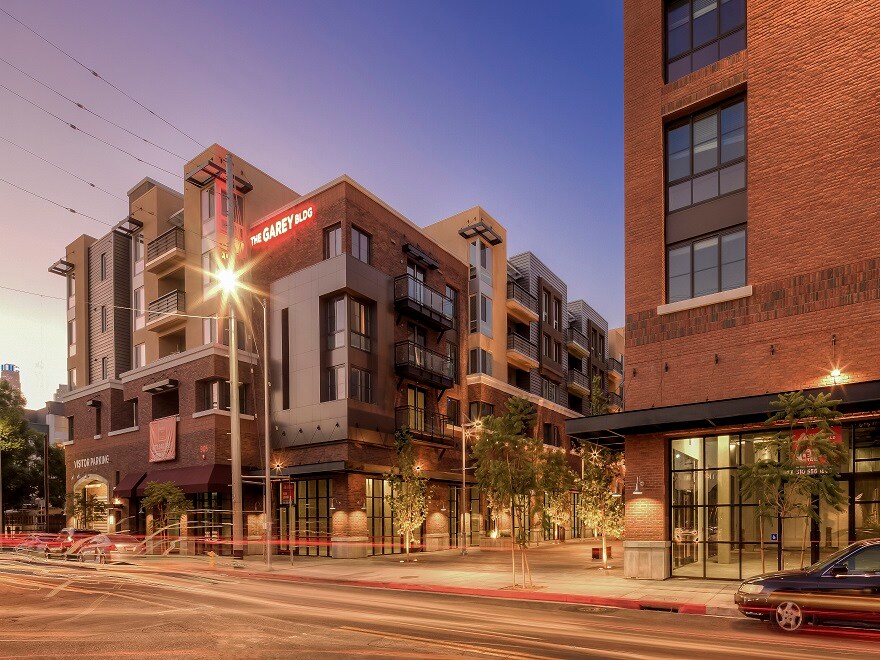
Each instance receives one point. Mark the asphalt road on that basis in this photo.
(52, 611)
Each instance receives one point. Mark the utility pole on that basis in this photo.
(268, 503)
(46, 482)
(234, 406)
(2, 528)
(464, 499)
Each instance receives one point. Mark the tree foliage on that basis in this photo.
(598, 398)
(86, 509)
(166, 501)
(14, 429)
(408, 495)
(799, 464)
(600, 506)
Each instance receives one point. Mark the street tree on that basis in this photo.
(14, 432)
(796, 469)
(408, 495)
(86, 509)
(598, 399)
(557, 481)
(600, 504)
(167, 502)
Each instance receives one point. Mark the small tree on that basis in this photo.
(86, 509)
(167, 501)
(601, 502)
(557, 480)
(598, 398)
(408, 495)
(798, 465)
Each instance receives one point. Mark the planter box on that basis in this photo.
(597, 553)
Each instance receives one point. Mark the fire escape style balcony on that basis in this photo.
(166, 251)
(577, 343)
(419, 301)
(578, 383)
(614, 368)
(521, 352)
(164, 312)
(521, 304)
(615, 402)
(424, 424)
(425, 366)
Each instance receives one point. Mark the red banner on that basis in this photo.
(806, 457)
(163, 439)
(288, 492)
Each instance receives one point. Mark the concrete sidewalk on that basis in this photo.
(561, 572)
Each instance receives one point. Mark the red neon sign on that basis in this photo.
(275, 228)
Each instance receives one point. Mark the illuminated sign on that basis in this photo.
(93, 461)
(281, 226)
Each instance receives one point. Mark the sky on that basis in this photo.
(434, 107)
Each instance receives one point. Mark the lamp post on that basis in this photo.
(268, 473)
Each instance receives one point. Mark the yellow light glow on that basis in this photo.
(227, 280)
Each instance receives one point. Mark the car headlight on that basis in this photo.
(751, 589)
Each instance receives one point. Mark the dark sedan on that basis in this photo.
(843, 587)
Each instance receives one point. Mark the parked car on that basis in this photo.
(845, 587)
(105, 548)
(67, 538)
(34, 543)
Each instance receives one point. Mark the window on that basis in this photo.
(70, 433)
(71, 379)
(336, 382)
(138, 254)
(71, 291)
(452, 294)
(285, 359)
(139, 356)
(417, 334)
(705, 156)
(103, 318)
(215, 395)
(474, 321)
(486, 314)
(557, 314)
(139, 302)
(479, 410)
(480, 362)
(549, 390)
(361, 385)
(333, 242)
(706, 265)
(481, 256)
(360, 245)
(104, 372)
(209, 330)
(865, 562)
(103, 266)
(336, 322)
(700, 32)
(208, 268)
(545, 345)
(545, 306)
(71, 337)
(209, 202)
(360, 325)
(557, 352)
(453, 411)
(452, 354)
(551, 435)
(240, 334)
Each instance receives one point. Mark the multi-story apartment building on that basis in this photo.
(751, 270)
(616, 371)
(373, 324)
(11, 374)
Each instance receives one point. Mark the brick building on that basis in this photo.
(751, 267)
(369, 330)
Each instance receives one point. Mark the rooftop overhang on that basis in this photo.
(480, 229)
(158, 387)
(209, 170)
(61, 267)
(128, 227)
(610, 430)
(421, 256)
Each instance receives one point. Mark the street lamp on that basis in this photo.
(467, 431)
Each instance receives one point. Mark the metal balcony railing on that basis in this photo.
(579, 378)
(171, 303)
(414, 361)
(614, 399)
(526, 299)
(171, 239)
(522, 345)
(575, 336)
(423, 423)
(614, 364)
(416, 298)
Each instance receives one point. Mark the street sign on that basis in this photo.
(774, 537)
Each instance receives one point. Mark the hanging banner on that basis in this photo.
(806, 458)
(163, 439)
(288, 492)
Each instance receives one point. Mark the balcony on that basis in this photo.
(614, 368)
(164, 312)
(576, 342)
(419, 301)
(615, 402)
(521, 352)
(521, 304)
(166, 251)
(425, 366)
(578, 382)
(424, 424)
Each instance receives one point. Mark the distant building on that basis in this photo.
(11, 374)
(50, 419)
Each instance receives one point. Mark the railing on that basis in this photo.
(423, 423)
(407, 288)
(575, 336)
(526, 299)
(522, 345)
(613, 364)
(171, 239)
(410, 354)
(614, 399)
(170, 303)
(576, 377)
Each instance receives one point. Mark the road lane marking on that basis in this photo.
(458, 646)
(60, 587)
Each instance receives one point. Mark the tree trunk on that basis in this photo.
(804, 542)
(406, 542)
(604, 550)
(761, 536)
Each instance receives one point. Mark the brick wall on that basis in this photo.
(647, 515)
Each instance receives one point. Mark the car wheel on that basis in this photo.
(99, 558)
(788, 616)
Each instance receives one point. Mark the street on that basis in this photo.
(56, 611)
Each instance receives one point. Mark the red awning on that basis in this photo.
(195, 479)
(127, 485)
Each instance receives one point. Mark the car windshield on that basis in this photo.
(823, 564)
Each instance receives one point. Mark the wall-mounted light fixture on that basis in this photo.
(639, 485)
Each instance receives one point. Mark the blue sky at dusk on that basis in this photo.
(435, 107)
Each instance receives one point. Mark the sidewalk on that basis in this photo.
(562, 573)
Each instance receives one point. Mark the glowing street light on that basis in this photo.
(227, 280)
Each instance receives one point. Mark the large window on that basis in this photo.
(705, 156)
(700, 32)
(706, 265)
(360, 325)
(71, 337)
(140, 307)
(332, 242)
(336, 322)
(336, 382)
(361, 385)
(479, 410)
(215, 395)
(480, 362)
(360, 245)
(139, 356)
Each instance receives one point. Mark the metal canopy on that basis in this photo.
(61, 267)
(128, 227)
(609, 430)
(161, 386)
(482, 229)
(207, 172)
(421, 256)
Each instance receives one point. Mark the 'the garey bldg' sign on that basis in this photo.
(275, 228)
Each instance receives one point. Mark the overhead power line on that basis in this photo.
(90, 111)
(102, 78)
(75, 176)
(94, 137)
(61, 206)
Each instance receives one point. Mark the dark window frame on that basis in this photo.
(328, 232)
(360, 234)
(691, 241)
(692, 49)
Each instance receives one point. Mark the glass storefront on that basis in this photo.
(304, 517)
(715, 530)
(384, 537)
(474, 518)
